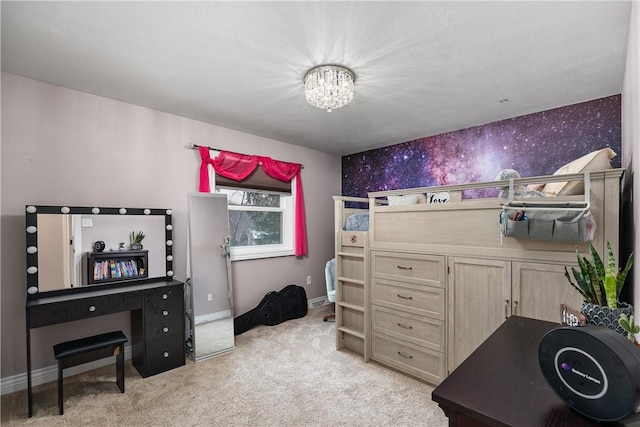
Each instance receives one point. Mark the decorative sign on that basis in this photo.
(442, 197)
(569, 316)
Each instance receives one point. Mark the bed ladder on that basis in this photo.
(352, 293)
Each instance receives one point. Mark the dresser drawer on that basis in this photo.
(416, 299)
(421, 362)
(83, 308)
(414, 268)
(418, 330)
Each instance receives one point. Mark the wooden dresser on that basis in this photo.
(408, 306)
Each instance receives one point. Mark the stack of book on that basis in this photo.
(115, 269)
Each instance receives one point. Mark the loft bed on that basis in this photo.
(447, 248)
(467, 226)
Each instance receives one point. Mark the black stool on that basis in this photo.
(84, 350)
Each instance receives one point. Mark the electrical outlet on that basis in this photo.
(308, 280)
(209, 297)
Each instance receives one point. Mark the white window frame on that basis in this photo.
(287, 207)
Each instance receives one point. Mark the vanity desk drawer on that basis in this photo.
(68, 310)
(163, 355)
(159, 326)
(169, 327)
(163, 304)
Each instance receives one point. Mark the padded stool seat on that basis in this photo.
(84, 350)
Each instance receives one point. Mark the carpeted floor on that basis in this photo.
(284, 375)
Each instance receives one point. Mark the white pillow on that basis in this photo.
(594, 161)
(409, 199)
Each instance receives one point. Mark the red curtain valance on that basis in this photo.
(239, 166)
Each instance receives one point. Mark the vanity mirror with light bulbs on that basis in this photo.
(65, 246)
(61, 239)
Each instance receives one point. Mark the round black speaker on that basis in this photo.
(98, 246)
(595, 370)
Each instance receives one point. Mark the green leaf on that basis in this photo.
(595, 283)
(597, 261)
(610, 287)
(623, 275)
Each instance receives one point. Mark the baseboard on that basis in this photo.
(318, 302)
(50, 373)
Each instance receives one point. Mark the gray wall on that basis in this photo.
(61, 146)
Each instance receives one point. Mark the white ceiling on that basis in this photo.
(422, 68)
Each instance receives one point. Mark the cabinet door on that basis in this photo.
(479, 301)
(539, 289)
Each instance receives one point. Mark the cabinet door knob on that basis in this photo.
(165, 329)
(165, 313)
(165, 296)
(165, 354)
(92, 308)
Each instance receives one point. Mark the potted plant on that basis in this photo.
(135, 240)
(600, 286)
(628, 323)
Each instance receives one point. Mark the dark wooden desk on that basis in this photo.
(157, 320)
(500, 384)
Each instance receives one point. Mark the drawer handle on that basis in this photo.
(165, 354)
(165, 329)
(403, 297)
(165, 313)
(402, 325)
(165, 296)
(92, 308)
(405, 355)
(400, 267)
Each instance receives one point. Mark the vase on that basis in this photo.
(604, 316)
(136, 246)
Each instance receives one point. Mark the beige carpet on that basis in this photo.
(284, 375)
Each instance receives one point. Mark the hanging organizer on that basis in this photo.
(548, 220)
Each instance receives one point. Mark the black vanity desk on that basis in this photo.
(157, 320)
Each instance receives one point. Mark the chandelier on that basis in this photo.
(329, 86)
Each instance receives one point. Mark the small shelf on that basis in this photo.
(117, 266)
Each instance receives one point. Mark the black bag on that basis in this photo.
(275, 308)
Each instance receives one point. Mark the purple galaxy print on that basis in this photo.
(535, 144)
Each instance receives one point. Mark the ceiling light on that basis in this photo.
(329, 86)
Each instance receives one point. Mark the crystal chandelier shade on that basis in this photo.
(329, 86)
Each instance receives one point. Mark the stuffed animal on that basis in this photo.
(519, 190)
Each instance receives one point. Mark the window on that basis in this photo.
(260, 223)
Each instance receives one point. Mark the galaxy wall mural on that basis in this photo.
(535, 144)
